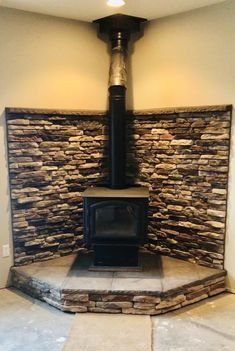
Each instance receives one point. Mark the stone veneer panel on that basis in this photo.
(181, 154)
(52, 159)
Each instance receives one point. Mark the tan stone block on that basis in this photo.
(217, 256)
(22, 224)
(175, 208)
(224, 136)
(70, 195)
(182, 142)
(215, 281)
(195, 294)
(25, 190)
(194, 288)
(89, 165)
(144, 306)
(116, 304)
(101, 137)
(78, 304)
(196, 299)
(215, 224)
(217, 286)
(54, 144)
(191, 225)
(116, 298)
(76, 297)
(81, 138)
(25, 165)
(217, 291)
(165, 310)
(171, 302)
(219, 191)
(216, 169)
(159, 131)
(166, 166)
(216, 213)
(49, 168)
(166, 137)
(211, 235)
(36, 242)
(216, 202)
(45, 203)
(18, 121)
(28, 199)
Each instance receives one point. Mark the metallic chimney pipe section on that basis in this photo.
(119, 29)
(118, 70)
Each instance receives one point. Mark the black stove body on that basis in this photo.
(115, 224)
(115, 216)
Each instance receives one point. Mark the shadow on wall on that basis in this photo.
(131, 50)
(6, 226)
(132, 163)
(133, 167)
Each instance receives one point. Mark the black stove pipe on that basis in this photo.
(117, 137)
(117, 110)
(119, 29)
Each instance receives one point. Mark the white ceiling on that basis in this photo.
(88, 10)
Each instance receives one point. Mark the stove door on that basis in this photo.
(114, 220)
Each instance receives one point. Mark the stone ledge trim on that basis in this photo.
(183, 109)
(51, 112)
(153, 111)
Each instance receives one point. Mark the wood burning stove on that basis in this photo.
(115, 216)
(115, 223)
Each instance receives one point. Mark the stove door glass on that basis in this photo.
(116, 219)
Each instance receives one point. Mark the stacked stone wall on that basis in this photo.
(52, 159)
(183, 158)
(182, 155)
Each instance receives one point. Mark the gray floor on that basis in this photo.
(27, 324)
(205, 326)
(132, 334)
(30, 325)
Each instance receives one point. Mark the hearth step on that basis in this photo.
(163, 285)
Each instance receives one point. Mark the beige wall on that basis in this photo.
(189, 59)
(45, 62)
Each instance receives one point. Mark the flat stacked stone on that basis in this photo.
(52, 159)
(182, 155)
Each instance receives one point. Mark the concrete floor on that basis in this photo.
(30, 325)
(205, 326)
(27, 324)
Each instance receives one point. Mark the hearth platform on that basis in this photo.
(163, 285)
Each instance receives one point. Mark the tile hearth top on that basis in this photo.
(163, 285)
(160, 274)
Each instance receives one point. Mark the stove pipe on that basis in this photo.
(119, 29)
